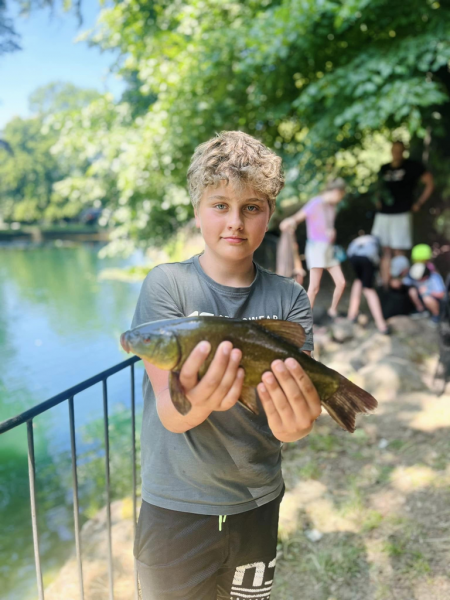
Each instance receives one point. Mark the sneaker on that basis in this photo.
(435, 319)
(386, 331)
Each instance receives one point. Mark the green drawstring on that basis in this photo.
(222, 519)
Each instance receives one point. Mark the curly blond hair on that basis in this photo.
(237, 157)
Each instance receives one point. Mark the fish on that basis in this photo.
(167, 344)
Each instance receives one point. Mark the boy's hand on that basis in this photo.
(220, 387)
(290, 400)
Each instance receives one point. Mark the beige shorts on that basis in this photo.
(320, 255)
(393, 231)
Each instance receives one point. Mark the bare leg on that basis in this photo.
(315, 275)
(385, 265)
(432, 304)
(355, 300)
(339, 282)
(414, 295)
(375, 308)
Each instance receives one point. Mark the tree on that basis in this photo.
(27, 176)
(8, 35)
(313, 80)
(60, 97)
(9, 39)
(317, 81)
(30, 171)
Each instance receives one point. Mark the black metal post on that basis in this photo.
(133, 446)
(76, 509)
(32, 476)
(108, 491)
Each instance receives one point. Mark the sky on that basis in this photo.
(50, 54)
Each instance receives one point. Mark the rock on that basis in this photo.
(321, 338)
(390, 376)
(314, 535)
(95, 559)
(342, 331)
(363, 320)
(343, 367)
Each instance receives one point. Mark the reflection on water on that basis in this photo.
(59, 325)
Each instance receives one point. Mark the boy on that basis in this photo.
(364, 256)
(422, 253)
(395, 298)
(427, 290)
(320, 214)
(211, 480)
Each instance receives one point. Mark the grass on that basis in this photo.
(406, 558)
(374, 526)
(311, 470)
(330, 563)
(372, 520)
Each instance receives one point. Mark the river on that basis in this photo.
(59, 324)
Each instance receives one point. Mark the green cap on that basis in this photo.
(421, 253)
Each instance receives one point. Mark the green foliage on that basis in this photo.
(60, 97)
(91, 470)
(8, 36)
(313, 80)
(27, 176)
(31, 173)
(9, 39)
(323, 83)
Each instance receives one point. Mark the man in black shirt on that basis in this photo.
(393, 222)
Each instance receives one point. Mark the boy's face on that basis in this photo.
(232, 219)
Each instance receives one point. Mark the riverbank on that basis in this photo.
(365, 516)
(39, 235)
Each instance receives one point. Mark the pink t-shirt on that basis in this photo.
(320, 218)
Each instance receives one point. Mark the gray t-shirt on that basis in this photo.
(231, 462)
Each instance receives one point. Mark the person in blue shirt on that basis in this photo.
(427, 290)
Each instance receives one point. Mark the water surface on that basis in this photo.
(59, 324)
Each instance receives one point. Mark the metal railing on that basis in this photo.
(28, 416)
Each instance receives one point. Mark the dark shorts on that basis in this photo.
(364, 270)
(183, 556)
(395, 302)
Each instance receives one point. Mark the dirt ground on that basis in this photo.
(366, 516)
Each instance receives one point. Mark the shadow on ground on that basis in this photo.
(367, 516)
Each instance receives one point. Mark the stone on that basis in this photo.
(342, 331)
(387, 378)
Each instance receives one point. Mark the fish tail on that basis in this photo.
(348, 400)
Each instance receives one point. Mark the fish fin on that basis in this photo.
(248, 399)
(290, 331)
(177, 395)
(348, 400)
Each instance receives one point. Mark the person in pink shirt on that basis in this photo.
(320, 214)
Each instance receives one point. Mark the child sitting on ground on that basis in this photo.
(422, 253)
(395, 299)
(427, 290)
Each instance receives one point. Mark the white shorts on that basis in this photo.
(394, 231)
(320, 255)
